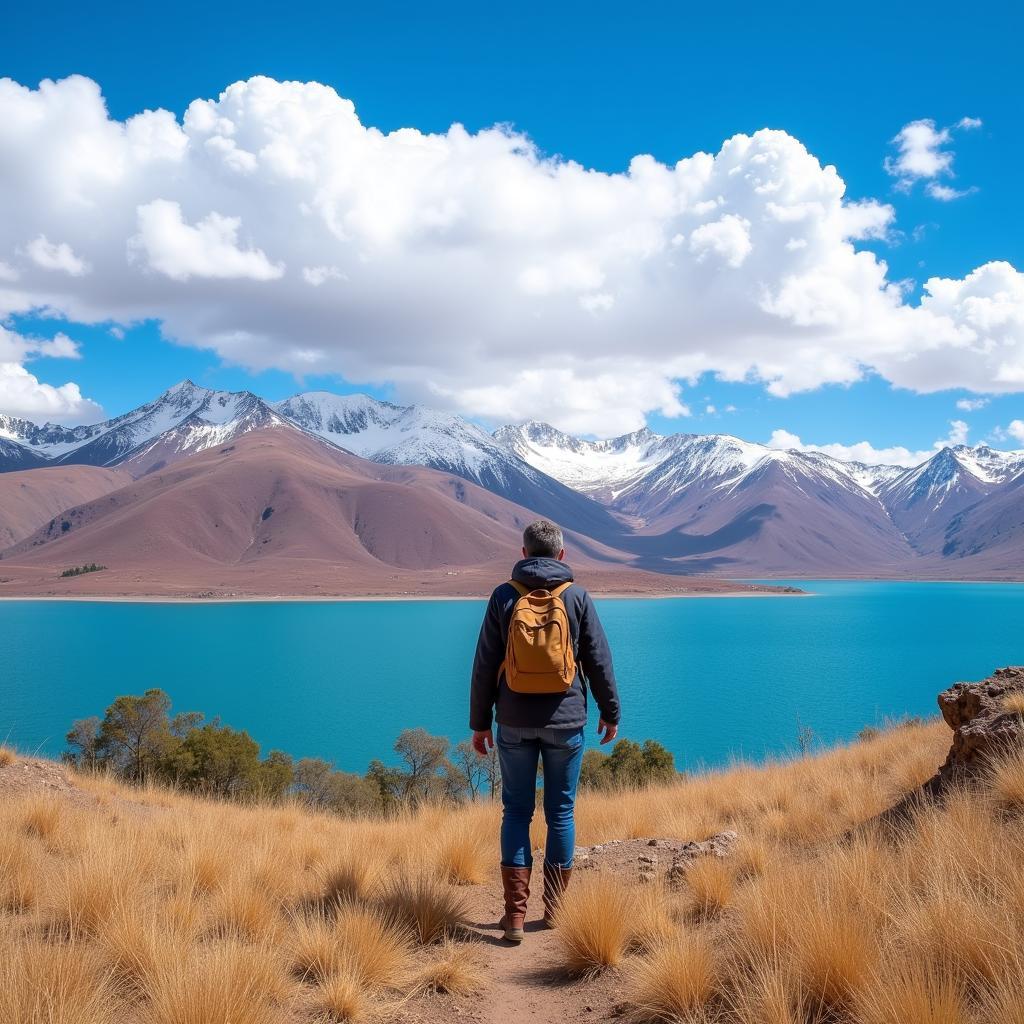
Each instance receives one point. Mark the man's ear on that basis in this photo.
(525, 555)
(561, 555)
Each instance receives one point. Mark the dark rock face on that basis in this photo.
(983, 726)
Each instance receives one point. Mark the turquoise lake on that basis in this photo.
(711, 678)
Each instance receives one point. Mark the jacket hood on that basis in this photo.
(541, 573)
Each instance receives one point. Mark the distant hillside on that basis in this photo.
(678, 504)
(28, 500)
(276, 512)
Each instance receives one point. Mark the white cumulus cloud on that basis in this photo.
(923, 154)
(23, 394)
(1014, 429)
(208, 249)
(272, 226)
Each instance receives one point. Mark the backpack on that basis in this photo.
(538, 656)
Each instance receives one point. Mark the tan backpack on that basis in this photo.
(539, 656)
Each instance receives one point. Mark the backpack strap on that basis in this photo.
(521, 590)
(562, 588)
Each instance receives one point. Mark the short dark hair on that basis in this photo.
(543, 539)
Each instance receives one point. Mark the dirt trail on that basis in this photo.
(523, 983)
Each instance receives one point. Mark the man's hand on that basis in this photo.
(483, 741)
(606, 731)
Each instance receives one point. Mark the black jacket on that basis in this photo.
(593, 659)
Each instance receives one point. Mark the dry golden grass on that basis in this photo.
(7, 756)
(427, 904)
(42, 815)
(164, 908)
(358, 942)
(1014, 703)
(347, 878)
(652, 918)
(463, 852)
(1008, 779)
(218, 983)
(910, 994)
(768, 993)
(455, 968)
(594, 922)
(677, 979)
(343, 998)
(19, 874)
(42, 984)
(710, 883)
(243, 909)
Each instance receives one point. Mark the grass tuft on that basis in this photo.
(221, 983)
(907, 994)
(455, 968)
(677, 979)
(710, 882)
(1007, 778)
(593, 923)
(357, 942)
(430, 906)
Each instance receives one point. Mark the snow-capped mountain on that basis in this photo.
(685, 502)
(412, 435)
(184, 419)
(923, 500)
(643, 472)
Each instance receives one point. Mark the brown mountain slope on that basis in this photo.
(779, 515)
(277, 513)
(269, 496)
(31, 497)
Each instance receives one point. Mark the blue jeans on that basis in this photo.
(561, 751)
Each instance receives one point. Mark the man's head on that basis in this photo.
(543, 539)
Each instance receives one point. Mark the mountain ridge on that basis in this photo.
(681, 502)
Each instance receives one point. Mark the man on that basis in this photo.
(540, 715)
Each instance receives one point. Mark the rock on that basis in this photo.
(644, 859)
(721, 845)
(652, 842)
(983, 728)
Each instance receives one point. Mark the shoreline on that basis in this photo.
(615, 595)
(349, 598)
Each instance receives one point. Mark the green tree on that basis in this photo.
(426, 764)
(594, 772)
(83, 739)
(659, 764)
(135, 734)
(275, 775)
(320, 785)
(628, 766)
(388, 783)
(216, 759)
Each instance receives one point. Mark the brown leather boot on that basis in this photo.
(516, 883)
(556, 881)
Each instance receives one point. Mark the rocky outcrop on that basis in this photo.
(987, 719)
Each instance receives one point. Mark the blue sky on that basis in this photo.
(598, 84)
